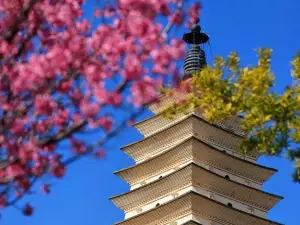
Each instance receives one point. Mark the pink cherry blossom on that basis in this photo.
(144, 91)
(15, 170)
(100, 153)
(44, 105)
(177, 18)
(98, 13)
(105, 123)
(28, 210)
(58, 171)
(62, 75)
(3, 201)
(78, 146)
(45, 188)
(89, 109)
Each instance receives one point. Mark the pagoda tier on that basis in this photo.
(190, 171)
(158, 122)
(195, 150)
(196, 207)
(195, 177)
(192, 125)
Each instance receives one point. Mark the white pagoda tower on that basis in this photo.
(189, 171)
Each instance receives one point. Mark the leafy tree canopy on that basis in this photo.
(270, 120)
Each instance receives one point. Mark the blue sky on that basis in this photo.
(81, 198)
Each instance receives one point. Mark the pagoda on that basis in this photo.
(189, 171)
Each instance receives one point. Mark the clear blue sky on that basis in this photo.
(82, 197)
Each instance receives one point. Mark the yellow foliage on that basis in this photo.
(272, 120)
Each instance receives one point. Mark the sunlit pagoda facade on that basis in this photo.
(189, 171)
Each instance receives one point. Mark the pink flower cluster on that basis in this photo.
(54, 71)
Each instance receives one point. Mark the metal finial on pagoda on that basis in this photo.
(195, 59)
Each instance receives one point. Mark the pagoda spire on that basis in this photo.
(195, 59)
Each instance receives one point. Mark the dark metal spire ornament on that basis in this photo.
(195, 59)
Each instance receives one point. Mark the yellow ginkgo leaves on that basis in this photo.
(272, 120)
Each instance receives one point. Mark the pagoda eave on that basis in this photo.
(195, 204)
(185, 128)
(187, 150)
(194, 175)
(160, 122)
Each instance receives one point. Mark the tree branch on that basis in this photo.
(63, 134)
(170, 24)
(89, 151)
(10, 33)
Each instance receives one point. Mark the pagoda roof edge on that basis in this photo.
(173, 125)
(151, 183)
(193, 113)
(202, 168)
(202, 196)
(205, 143)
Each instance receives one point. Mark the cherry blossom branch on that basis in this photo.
(102, 141)
(89, 150)
(71, 75)
(170, 24)
(62, 135)
(53, 91)
(10, 33)
(24, 42)
(3, 165)
(67, 133)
